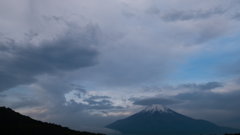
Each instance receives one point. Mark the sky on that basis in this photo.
(86, 63)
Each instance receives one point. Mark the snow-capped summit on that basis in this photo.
(160, 120)
(157, 108)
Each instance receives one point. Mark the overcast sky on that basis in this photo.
(86, 63)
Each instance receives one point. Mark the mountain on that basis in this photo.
(160, 120)
(13, 123)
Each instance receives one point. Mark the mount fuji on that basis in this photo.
(160, 120)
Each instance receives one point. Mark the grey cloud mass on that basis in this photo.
(191, 87)
(99, 102)
(155, 100)
(191, 15)
(231, 68)
(86, 100)
(22, 62)
(87, 59)
(211, 100)
(219, 107)
(222, 108)
(204, 86)
(236, 16)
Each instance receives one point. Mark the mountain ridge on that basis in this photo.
(159, 120)
(14, 123)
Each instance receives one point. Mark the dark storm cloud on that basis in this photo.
(21, 63)
(155, 100)
(204, 86)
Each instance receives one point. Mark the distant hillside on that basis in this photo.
(13, 123)
(160, 120)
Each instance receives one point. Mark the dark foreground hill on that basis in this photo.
(159, 120)
(13, 123)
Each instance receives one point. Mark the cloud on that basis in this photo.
(170, 100)
(191, 15)
(99, 102)
(211, 100)
(22, 62)
(212, 95)
(236, 16)
(23, 102)
(155, 100)
(221, 108)
(215, 103)
(79, 119)
(143, 43)
(205, 86)
(231, 67)
(88, 100)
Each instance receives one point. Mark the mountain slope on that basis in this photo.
(13, 123)
(159, 120)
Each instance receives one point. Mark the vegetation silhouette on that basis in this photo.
(13, 123)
